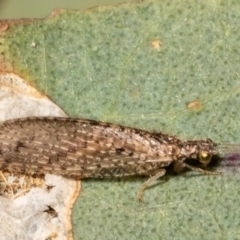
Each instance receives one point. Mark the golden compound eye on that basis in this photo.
(205, 158)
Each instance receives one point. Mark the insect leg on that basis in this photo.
(149, 182)
(185, 165)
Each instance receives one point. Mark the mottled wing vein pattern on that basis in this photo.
(78, 148)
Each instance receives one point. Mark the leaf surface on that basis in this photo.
(170, 66)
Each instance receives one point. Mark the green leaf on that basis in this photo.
(105, 64)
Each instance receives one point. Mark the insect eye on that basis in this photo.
(205, 158)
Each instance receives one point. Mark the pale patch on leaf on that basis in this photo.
(19, 99)
(32, 208)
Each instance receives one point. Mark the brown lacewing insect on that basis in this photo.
(78, 148)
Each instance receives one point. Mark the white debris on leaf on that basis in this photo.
(19, 99)
(32, 208)
(27, 217)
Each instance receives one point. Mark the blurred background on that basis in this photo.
(39, 9)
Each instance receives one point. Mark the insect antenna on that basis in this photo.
(229, 153)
